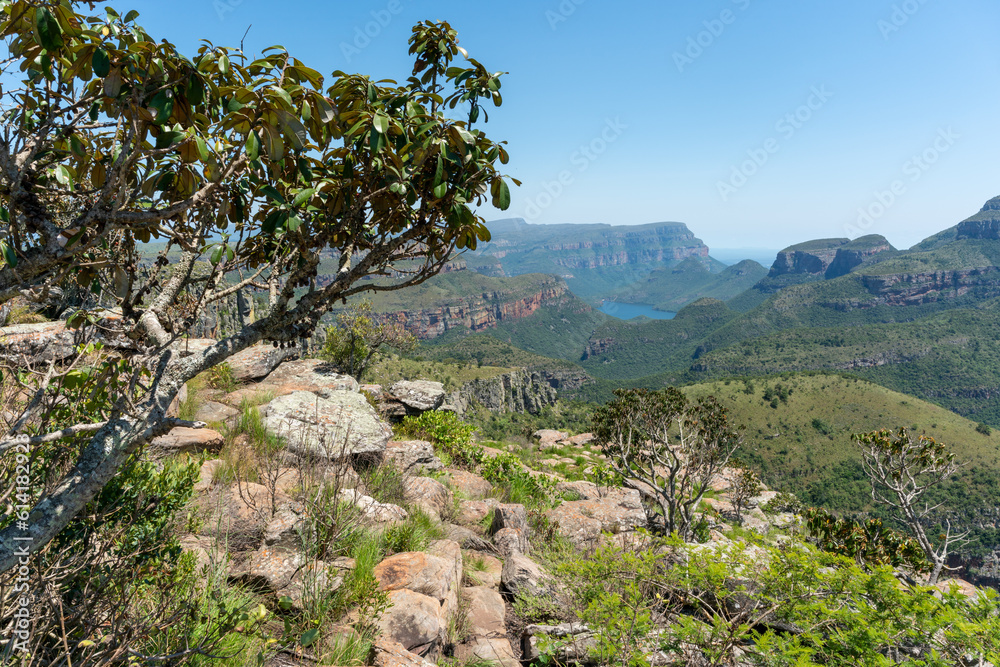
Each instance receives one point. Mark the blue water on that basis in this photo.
(627, 311)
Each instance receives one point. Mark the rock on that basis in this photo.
(428, 494)
(174, 409)
(412, 457)
(287, 573)
(341, 425)
(582, 521)
(212, 412)
(414, 620)
(548, 438)
(183, 439)
(41, 342)
(450, 551)
(253, 395)
(582, 531)
(389, 653)
(256, 362)
(312, 375)
(373, 390)
(207, 473)
(204, 549)
(575, 642)
(417, 571)
(522, 576)
(185, 347)
(485, 611)
(518, 391)
(419, 395)
(510, 516)
(284, 530)
(472, 512)
(960, 586)
(371, 509)
(510, 541)
(482, 569)
(467, 539)
(468, 485)
(582, 439)
(495, 649)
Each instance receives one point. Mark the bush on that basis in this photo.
(984, 429)
(449, 433)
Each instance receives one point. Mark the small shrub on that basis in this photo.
(984, 429)
(222, 377)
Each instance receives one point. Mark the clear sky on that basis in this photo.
(759, 124)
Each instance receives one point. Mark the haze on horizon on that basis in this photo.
(757, 124)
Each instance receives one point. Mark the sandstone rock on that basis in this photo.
(254, 395)
(420, 572)
(472, 512)
(207, 473)
(510, 516)
(482, 569)
(341, 425)
(185, 347)
(256, 362)
(419, 395)
(412, 457)
(450, 551)
(389, 653)
(510, 541)
(371, 509)
(518, 391)
(618, 511)
(522, 576)
(467, 539)
(428, 494)
(284, 530)
(205, 551)
(582, 531)
(174, 409)
(374, 390)
(582, 439)
(485, 611)
(313, 375)
(288, 573)
(549, 438)
(212, 412)
(494, 649)
(414, 620)
(468, 485)
(183, 439)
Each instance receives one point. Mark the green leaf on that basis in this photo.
(440, 190)
(294, 222)
(305, 169)
(131, 16)
(283, 94)
(195, 90)
(47, 28)
(303, 197)
(63, 177)
(273, 221)
(163, 104)
(272, 194)
(101, 63)
(224, 64)
(439, 171)
(168, 139)
(253, 146)
(381, 123)
(8, 255)
(308, 637)
(501, 198)
(217, 254)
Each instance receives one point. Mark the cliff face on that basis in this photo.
(854, 254)
(476, 312)
(905, 289)
(519, 391)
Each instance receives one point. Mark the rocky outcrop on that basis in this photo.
(811, 257)
(519, 391)
(478, 312)
(856, 253)
(341, 425)
(908, 289)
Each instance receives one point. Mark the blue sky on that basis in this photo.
(759, 124)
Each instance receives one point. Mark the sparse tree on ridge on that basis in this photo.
(901, 468)
(248, 168)
(666, 448)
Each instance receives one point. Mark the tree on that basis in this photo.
(745, 486)
(666, 448)
(359, 335)
(250, 172)
(901, 469)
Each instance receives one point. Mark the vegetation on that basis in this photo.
(656, 441)
(359, 336)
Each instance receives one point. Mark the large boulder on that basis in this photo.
(482, 569)
(468, 485)
(582, 521)
(414, 620)
(412, 457)
(288, 573)
(340, 425)
(256, 362)
(549, 438)
(420, 572)
(486, 634)
(372, 510)
(573, 642)
(429, 495)
(211, 412)
(419, 395)
(389, 653)
(522, 576)
(472, 512)
(189, 440)
(313, 375)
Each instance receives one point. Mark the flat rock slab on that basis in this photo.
(334, 428)
(485, 611)
(256, 362)
(494, 649)
(468, 485)
(583, 521)
(183, 439)
(211, 412)
(420, 395)
(314, 375)
(412, 457)
(414, 620)
(417, 571)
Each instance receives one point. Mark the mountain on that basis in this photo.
(593, 259)
(690, 280)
